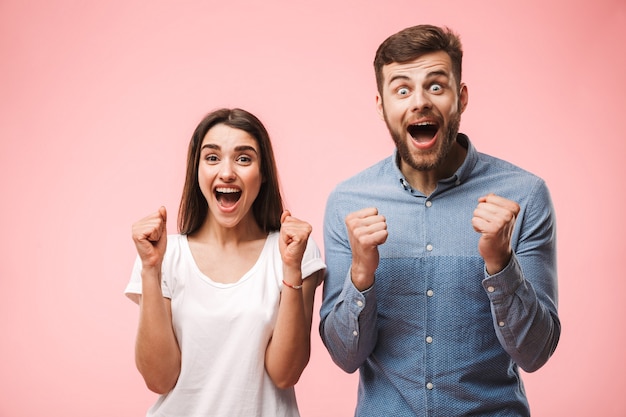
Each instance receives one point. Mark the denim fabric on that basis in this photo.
(436, 335)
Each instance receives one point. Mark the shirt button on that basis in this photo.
(429, 203)
(457, 182)
(355, 333)
(491, 289)
(429, 339)
(429, 385)
(429, 247)
(501, 323)
(359, 303)
(430, 293)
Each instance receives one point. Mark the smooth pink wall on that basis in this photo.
(98, 101)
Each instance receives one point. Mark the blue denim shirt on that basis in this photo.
(436, 335)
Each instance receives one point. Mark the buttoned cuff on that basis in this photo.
(359, 302)
(504, 283)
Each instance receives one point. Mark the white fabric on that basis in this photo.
(223, 331)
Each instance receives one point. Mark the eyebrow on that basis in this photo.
(438, 73)
(239, 148)
(432, 74)
(398, 77)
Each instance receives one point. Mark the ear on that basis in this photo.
(379, 106)
(463, 97)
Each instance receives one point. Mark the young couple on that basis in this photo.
(440, 280)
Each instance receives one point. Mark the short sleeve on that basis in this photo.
(312, 259)
(133, 288)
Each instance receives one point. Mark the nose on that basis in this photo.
(227, 173)
(420, 101)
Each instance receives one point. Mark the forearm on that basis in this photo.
(524, 294)
(525, 316)
(289, 349)
(157, 353)
(348, 324)
(349, 329)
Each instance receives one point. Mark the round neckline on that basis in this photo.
(242, 279)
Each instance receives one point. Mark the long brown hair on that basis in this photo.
(412, 42)
(268, 206)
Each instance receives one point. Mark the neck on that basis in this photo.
(426, 181)
(212, 231)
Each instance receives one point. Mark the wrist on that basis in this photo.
(292, 276)
(293, 286)
(494, 267)
(361, 281)
(151, 271)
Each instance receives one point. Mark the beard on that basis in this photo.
(433, 158)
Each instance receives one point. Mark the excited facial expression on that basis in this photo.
(229, 174)
(422, 105)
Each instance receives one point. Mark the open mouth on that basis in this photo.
(423, 132)
(226, 196)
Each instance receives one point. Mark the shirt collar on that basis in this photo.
(459, 176)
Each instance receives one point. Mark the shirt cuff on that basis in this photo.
(504, 283)
(359, 302)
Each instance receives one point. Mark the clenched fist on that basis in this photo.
(150, 237)
(294, 235)
(494, 218)
(366, 230)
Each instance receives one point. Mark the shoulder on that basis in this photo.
(376, 172)
(176, 242)
(271, 248)
(482, 167)
(496, 169)
(177, 247)
(498, 163)
(371, 183)
(504, 178)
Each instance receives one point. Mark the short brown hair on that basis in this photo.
(412, 42)
(268, 205)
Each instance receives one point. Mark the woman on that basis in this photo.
(226, 305)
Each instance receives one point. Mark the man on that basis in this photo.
(441, 278)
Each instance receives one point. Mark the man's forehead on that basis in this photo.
(431, 64)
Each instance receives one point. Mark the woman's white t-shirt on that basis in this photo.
(223, 331)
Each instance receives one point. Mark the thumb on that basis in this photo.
(163, 232)
(284, 216)
(163, 213)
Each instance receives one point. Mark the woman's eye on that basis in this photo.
(211, 158)
(244, 160)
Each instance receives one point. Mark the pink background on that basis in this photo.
(99, 99)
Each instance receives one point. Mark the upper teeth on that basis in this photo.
(227, 190)
(424, 124)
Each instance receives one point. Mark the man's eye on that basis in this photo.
(435, 88)
(403, 91)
